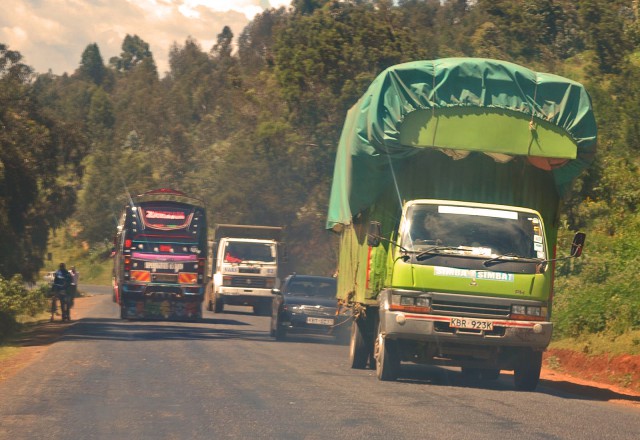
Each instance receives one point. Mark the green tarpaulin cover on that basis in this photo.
(461, 107)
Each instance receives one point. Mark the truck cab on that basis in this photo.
(246, 267)
(465, 274)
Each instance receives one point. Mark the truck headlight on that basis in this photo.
(410, 303)
(528, 313)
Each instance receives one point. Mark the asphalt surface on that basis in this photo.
(226, 377)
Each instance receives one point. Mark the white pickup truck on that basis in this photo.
(246, 266)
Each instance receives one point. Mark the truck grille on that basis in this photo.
(249, 282)
(469, 307)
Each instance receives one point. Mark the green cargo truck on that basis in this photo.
(448, 181)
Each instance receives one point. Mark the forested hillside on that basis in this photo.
(251, 126)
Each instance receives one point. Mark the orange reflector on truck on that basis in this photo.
(140, 275)
(187, 278)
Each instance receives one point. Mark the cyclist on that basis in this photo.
(61, 285)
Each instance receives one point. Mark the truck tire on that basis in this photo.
(360, 347)
(387, 358)
(218, 305)
(526, 375)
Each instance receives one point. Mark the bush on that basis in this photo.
(599, 293)
(16, 299)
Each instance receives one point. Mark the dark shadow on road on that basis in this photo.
(439, 376)
(587, 392)
(93, 329)
(309, 338)
(248, 312)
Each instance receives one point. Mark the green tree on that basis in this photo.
(40, 159)
(257, 40)
(604, 27)
(91, 65)
(134, 51)
(112, 175)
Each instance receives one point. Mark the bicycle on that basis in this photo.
(63, 298)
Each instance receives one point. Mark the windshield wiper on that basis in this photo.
(435, 250)
(510, 256)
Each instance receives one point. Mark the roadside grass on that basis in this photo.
(7, 351)
(8, 347)
(602, 343)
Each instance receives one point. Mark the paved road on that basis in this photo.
(226, 378)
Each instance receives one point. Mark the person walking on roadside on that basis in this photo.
(73, 290)
(61, 287)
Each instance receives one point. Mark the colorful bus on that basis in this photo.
(160, 254)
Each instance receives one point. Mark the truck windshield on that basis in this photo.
(237, 252)
(473, 231)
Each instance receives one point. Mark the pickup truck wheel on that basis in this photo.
(387, 358)
(218, 306)
(526, 375)
(359, 349)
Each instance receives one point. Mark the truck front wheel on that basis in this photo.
(387, 358)
(526, 375)
(360, 347)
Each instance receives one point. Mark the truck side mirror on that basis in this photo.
(578, 244)
(282, 250)
(373, 236)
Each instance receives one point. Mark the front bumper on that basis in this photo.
(436, 327)
(244, 297)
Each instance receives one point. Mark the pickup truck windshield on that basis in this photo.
(472, 231)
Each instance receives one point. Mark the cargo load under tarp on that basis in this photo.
(462, 107)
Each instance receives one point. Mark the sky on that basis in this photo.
(52, 34)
